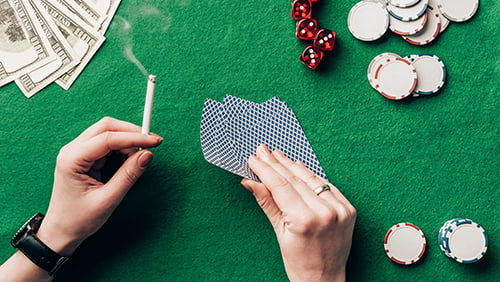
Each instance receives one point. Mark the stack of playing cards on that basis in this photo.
(45, 41)
(232, 130)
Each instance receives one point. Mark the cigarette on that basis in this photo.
(148, 105)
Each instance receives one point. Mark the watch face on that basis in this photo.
(32, 224)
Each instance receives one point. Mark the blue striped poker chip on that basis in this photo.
(409, 13)
(463, 240)
(431, 73)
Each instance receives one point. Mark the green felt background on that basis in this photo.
(423, 160)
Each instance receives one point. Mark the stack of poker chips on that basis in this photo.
(460, 239)
(307, 29)
(418, 22)
(397, 78)
(463, 240)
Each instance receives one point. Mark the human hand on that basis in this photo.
(81, 204)
(314, 231)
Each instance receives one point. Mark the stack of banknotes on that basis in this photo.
(45, 41)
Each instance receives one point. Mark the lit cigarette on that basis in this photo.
(148, 105)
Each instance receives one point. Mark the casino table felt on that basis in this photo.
(423, 160)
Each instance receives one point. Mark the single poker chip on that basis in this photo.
(395, 78)
(407, 28)
(372, 67)
(458, 10)
(431, 73)
(430, 32)
(403, 3)
(407, 14)
(368, 20)
(404, 243)
(463, 240)
(433, 5)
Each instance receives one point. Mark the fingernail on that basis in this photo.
(244, 183)
(145, 159)
(279, 154)
(264, 150)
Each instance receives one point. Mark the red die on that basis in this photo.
(306, 29)
(311, 57)
(301, 9)
(325, 39)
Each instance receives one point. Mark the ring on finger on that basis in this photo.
(322, 189)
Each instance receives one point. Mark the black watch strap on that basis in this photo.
(27, 242)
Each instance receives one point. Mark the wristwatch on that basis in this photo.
(27, 242)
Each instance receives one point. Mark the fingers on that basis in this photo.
(282, 166)
(287, 199)
(127, 175)
(108, 124)
(264, 199)
(84, 156)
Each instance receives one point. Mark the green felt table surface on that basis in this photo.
(422, 160)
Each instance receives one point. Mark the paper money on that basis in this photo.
(78, 11)
(23, 44)
(45, 41)
(108, 8)
(82, 38)
(36, 80)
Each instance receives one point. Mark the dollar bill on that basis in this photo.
(108, 9)
(78, 11)
(84, 40)
(31, 83)
(23, 44)
(91, 9)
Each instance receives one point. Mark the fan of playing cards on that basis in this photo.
(232, 130)
(45, 41)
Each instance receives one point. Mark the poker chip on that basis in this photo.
(458, 10)
(429, 33)
(375, 63)
(408, 14)
(431, 73)
(433, 5)
(368, 20)
(463, 240)
(404, 243)
(403, 3)
(395, 78)
(407, 28)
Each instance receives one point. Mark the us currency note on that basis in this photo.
(107, 8)
(79, 12)
(84, 40)
(23, 45)
(31, 83)
(91, 9)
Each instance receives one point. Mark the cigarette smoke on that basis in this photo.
(125, 29)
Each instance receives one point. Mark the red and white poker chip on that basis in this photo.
(404, 243)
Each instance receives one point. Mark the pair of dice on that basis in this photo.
(307, 29)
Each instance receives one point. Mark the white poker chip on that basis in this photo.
(404, 243)
(403, 3)
(458, 10)
(395, 78)
(431, 73)
(375, 63)
(433, 5)
(407, 14)
(407, 28)
(463, 240)
(368, 20)
(430, 32)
